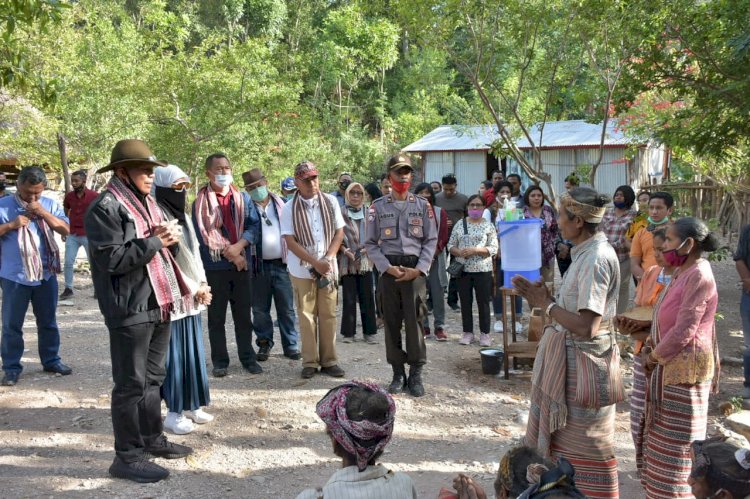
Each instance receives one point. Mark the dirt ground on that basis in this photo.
(56, 435)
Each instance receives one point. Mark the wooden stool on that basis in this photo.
(511, 346)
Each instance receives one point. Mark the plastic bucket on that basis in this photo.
(492, 360)
(531, 275)
(521, 244)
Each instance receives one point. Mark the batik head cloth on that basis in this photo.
(363, 439)
(590, 214)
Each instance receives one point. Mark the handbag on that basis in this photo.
(456, 268)
(598, 377)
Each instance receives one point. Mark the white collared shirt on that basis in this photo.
(294, 264)
(271, 234)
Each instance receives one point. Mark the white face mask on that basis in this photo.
(223, 180)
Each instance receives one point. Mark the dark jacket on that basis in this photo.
(251, 232)
(118, 264)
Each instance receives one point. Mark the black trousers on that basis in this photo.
(230, 287)
(452, 292)
(358, 288)
(139, 353)
(404, 303)
(481, 285)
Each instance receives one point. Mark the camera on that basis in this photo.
(321, 281)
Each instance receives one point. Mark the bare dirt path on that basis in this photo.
(266, 441)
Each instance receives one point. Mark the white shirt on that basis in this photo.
(294, 264)
(271, 243)
(375, 482)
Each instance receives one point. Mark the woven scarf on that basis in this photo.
(303, 227)
(363, 439)
(210, 222)
(30, 255)
(171, 290)
(549, 410)
(353, 232)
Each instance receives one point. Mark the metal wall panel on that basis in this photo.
(437, 164)
(470, 171)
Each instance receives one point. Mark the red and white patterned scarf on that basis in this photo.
(210, 221)
(171, 290)
(30, 254)
(362, 439)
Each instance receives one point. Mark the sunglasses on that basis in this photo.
(356, 193)
(265, 218)
(181, 186)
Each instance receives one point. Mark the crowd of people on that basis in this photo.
(400, 253)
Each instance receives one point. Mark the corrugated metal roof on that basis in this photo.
(456, 138)
(557, 135)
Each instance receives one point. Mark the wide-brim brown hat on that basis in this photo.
(253, 177)
(399, 161)
(130, 153)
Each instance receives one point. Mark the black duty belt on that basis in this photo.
(275, 261)
(403, 260)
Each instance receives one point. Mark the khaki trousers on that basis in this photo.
(316, 309)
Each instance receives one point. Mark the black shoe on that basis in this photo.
(219, 372)
(10, 379)
(415, 381)
(308, 372)
(263, 352)
(293, 355)
(334, 371)
(253, 368)
(66, 295)
(455, 307)
(141, 471)
(398, 384)
(58, 368)
(168, 450)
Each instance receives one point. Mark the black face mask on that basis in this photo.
(344, 184)
(173, 201)
(2, 185)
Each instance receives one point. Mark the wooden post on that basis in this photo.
(63, 147)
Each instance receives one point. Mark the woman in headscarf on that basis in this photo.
(576, 382)
(185, 388)
(680, 359)
(720, 470)
(355, 268)
(359, 419)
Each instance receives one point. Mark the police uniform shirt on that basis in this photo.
(405, 228)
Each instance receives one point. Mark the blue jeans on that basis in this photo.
(274, 283)
(72, 243)
(745, 314)
(16, 298)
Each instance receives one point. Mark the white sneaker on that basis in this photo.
(498, 326)
(178, 424)
(199, 416)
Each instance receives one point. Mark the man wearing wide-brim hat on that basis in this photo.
(138, 284)
(272, 277)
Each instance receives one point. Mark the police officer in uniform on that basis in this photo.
(401, 241)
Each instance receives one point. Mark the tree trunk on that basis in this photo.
(63, 147)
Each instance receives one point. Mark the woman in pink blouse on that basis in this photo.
(534, 207)
(681, 361)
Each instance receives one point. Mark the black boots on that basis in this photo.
(398, 385)
(415, 381)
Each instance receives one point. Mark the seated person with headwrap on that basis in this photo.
(359, 418)
(720, 469)
(522, 472)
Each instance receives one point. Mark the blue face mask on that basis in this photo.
(620, 205)
(223, 180)
(289, 197)
(259, 193)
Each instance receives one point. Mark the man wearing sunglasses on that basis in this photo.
(272, 277)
